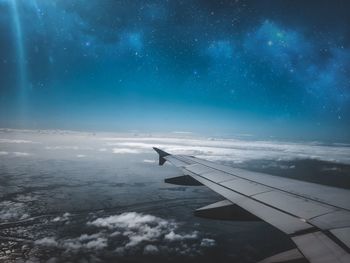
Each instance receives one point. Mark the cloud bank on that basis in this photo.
(215, 149)
(235, 150)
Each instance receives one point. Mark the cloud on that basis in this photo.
(98, 243)
(280, 166)
(21, 154)
(62, 147)
(171, 236)
(10, 210)
(183, 132)
(92, 242)
(137, 229)
(233, 150)
(129, 220)
(102, 149)
(47, 241)
(131, 233)
(150, 249)
(207, 242)
(63, 218)
(124, 150)
(16, 141)
(237, 150)
(149, 161)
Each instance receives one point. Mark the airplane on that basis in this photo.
(315, 217)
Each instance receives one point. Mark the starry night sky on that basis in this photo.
(266, 68)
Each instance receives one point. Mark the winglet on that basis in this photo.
(162, 154)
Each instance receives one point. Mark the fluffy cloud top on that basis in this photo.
(130, 233)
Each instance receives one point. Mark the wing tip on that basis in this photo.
(161, 154)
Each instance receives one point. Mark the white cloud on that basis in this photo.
(127, 220)
(138, 229)
(130, 233)
(12, 211)
(149, 161)
(172, 236)
(66, 214)
(63, 218)
(233, 150)
(86, 237)
(63, 147)
(207, 242)
(15, 141)
(21, 154)
(125, 150)
(237, 150)
(280, 166)
(182, 132)
(98, 243)
(150, 249)
(47, 241)
(81, 155)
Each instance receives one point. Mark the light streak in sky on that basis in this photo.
(21, 56)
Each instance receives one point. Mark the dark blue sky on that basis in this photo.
(267, 68)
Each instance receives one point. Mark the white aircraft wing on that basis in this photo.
(315, 217)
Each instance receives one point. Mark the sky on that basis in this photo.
(258, 68)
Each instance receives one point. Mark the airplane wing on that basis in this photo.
(315, 217)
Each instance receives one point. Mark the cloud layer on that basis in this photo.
(98, 146)
(236, 150)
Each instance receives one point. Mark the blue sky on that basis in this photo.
(267, 68)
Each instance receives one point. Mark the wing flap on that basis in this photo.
(285, 256)
(343, 234)
(336, 219)
(317, 247)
